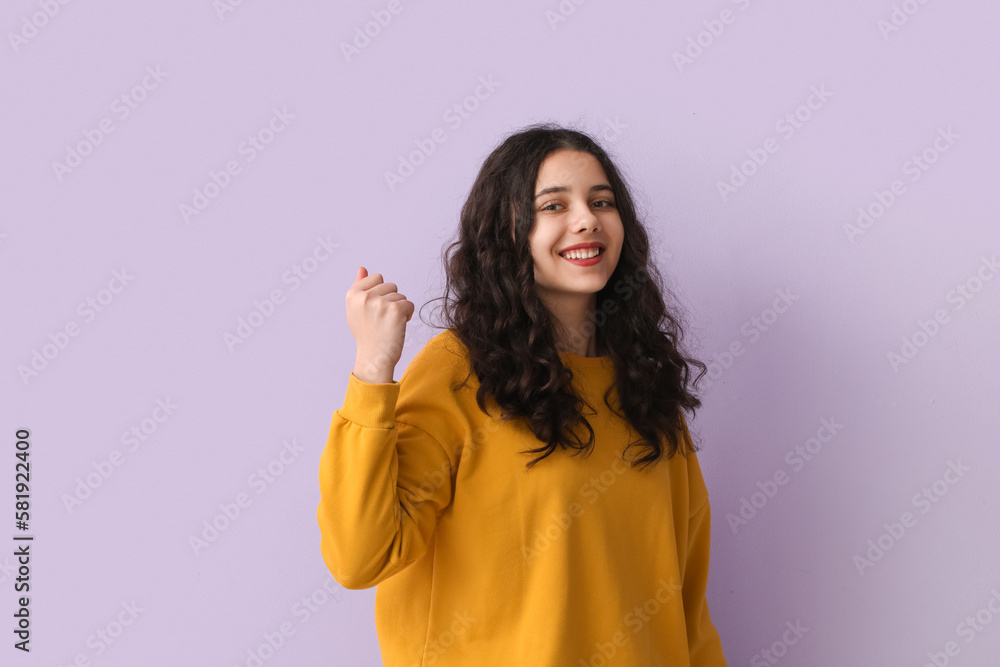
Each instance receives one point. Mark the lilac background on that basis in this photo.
(609, 68)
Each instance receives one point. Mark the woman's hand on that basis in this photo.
(377, 315)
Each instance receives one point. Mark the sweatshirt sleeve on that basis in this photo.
(383, 480)
(704, 644)
(703, 639)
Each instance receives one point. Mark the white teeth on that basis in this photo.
(582, 254)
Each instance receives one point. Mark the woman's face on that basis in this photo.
(573, 204)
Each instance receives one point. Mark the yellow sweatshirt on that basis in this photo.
(578, 562)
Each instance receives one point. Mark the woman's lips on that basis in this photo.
(586, 262)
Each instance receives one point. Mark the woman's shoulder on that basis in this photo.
(444, 345)
(444, 356)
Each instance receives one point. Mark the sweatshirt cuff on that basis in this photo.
(370, 404)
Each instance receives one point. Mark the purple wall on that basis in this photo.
(167, 169)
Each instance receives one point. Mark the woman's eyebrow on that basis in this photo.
(563, 188)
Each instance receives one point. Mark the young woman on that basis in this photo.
(558, 343)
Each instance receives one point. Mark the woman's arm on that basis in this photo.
(703, 638)
(382, 481)
(704, 644)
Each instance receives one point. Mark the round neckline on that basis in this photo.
(580, 360)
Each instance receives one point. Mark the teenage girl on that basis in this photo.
(558, 343)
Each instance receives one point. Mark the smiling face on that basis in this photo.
(573, 204)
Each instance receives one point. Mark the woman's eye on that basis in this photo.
(610, 204)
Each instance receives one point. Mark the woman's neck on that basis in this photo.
(583, 348)
(573, 325)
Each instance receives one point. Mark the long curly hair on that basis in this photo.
(491, 304)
